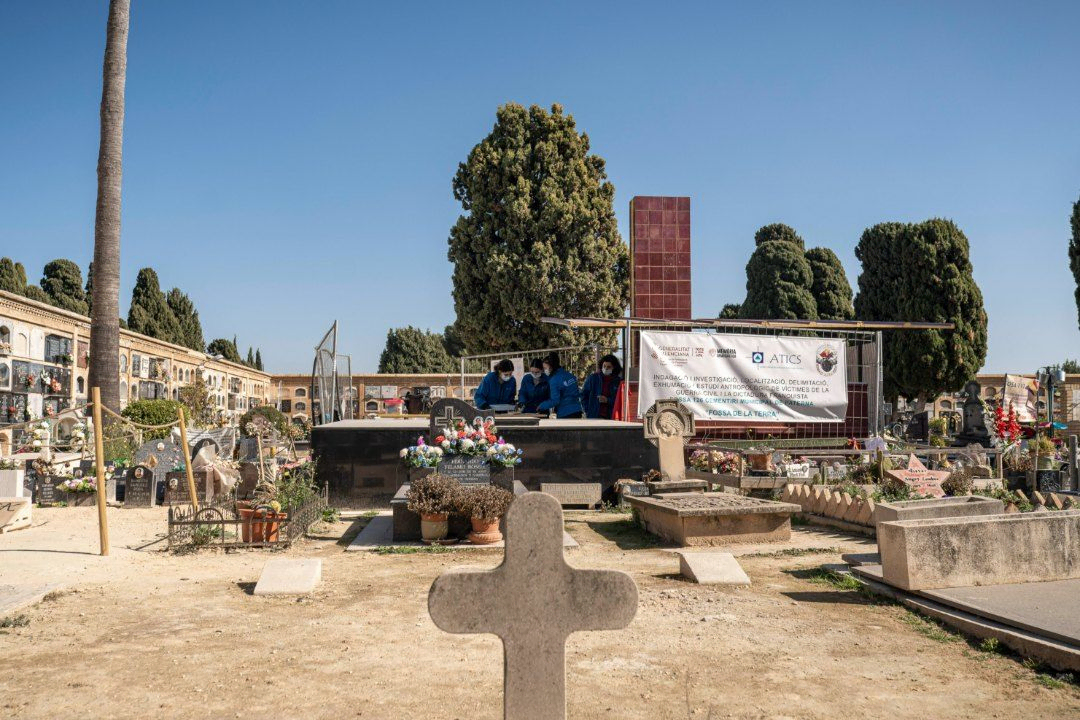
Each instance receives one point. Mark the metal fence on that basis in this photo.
(222, 524)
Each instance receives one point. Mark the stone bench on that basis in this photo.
(696, 519)
(980, 550)
(965, 506)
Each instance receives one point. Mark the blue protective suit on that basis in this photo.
(492, 391)
(533, 392)
(565, 396)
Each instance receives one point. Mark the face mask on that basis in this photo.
(606, 371)
(536, 374)
(506, 377)
(547, 371)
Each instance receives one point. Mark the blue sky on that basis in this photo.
(288, 164)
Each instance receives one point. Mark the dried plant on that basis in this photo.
(487, 503)
(434, 495)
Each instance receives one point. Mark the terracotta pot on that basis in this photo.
(251, 529)
(484, 532)
(760, 461)
(273, 525)
(434, 527)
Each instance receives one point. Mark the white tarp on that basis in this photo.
(741, 378)
(1022, 394)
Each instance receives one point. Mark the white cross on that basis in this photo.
(533, 601)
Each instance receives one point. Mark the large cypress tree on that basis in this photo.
(831, 290)
(778, 277)
(189, 328)
(538, 237)
(923, 272)
(63, 283)
(258, 359)
(149, 313)
(1074, 251)
(225, 348)
(411, 350)
(89, 290)
(10, 276)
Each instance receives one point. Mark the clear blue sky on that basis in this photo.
(289, 163)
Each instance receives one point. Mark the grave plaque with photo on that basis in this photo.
(466, 470)
(139, 487)
(45, 492)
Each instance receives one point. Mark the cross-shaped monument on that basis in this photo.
(533, 601)
(446, 412)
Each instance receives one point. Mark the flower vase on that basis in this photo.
(434, 527)
(485, 532)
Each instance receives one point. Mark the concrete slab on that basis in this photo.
(16, 513)
(1046, 608)
(289, 576)
(965, 506)
(16, 597)
(379, 533)
(696, 519)
(857, 559)
(712, 568)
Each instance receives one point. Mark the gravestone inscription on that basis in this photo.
(139, 487)
(466, 470)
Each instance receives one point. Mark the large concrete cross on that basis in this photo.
(533, 601)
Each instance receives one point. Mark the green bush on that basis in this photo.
(152, 412)
(276, 418)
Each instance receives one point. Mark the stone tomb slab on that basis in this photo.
(584, 494)
(289, 576)
(16, 513)
(966, 506)
(693, 519)
(712, 568)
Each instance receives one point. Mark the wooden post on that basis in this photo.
(187, 461)
(99, 463)
(880, 467)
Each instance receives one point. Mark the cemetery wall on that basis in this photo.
(37, 338)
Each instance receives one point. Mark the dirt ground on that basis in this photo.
(144, 633)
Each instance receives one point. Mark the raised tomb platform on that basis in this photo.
(359, 458)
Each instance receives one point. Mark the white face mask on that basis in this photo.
(606, 371)
(506, 377)
(536, 374)
(547, 371)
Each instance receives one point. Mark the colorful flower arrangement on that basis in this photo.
(1006, 424)
(85, 484)
(481, 439)
(726, 463)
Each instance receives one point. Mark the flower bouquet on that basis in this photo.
(716, 461)
(503, 454)
(85, 484)
(421, 455)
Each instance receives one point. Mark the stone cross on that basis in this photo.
(446, 412)
(533, 601)
(667, 424)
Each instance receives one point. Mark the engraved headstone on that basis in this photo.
(974, 418)
(667, 424)
(161, 457)
(139, 488)
(533, 601)
(468, 470)
(919, 479)
(446, 412)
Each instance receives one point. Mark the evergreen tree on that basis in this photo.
(1071, 367)
(258, 360)
(63, 284)
(225, 348)
(456, 349)
(538, 237)
(1074, 251)
(149, 313)
(9, 276)
(189, 328)
(89, 291)
(922, 272)
(779, 278)
(730, 311)
(831, 290)
(34, 292)
(411, 350)
(250, 360)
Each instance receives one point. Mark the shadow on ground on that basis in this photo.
(625, 532)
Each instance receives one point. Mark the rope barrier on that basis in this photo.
(141, 426)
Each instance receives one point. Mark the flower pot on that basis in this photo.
(272, 525)
(762, 462)
(484, 532)
(434, 527)
(251, 527)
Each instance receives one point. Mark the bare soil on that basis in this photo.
(143, 633)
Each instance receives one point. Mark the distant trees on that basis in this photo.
(225, 348)
(189, 331)
(412, 350)
(63, 284)
(1074, 251)
(830, 287)
(730, 311)
(149, 312)
(778, 277)
(922, 272)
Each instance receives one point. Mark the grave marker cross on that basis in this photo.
(533, 601)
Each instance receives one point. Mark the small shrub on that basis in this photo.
(938, 441)
(990, 645)
(152, 412)
(434, 495)
(486, 502)
(15, 621)
(271, 413)
(330, 515)
(959, 482)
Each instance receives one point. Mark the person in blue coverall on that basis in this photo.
(598, 395)
(565, 397)
(497, 388)
(534, 387)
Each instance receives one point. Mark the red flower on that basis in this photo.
(440, 439)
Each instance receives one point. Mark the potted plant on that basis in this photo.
(1044, 450)
(760, 458)
(80, 491)
(485, 505)
(434, 497)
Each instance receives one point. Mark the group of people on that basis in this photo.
(549, 388)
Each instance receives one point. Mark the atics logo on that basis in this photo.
(782, 360)
(758, 358)
(826, 360)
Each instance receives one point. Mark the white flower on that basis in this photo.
(161, 446)
(44, 425)
(437, 451)
(37, 443)
(445, 444)
(467, 444)
(404, 452)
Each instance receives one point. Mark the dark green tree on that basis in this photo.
(36, 293)
(250, 359)
(189, 328)
(12, 276)
(730, 311)
(258, 360)
(89, 290)
(538, 237)
(831, 290)
(456, 349)
(225, 348)
(149, 313)
(1071, 367)
(63, 283)
(1074, 251)
(922, 272)
(411, 350)
(778, 278)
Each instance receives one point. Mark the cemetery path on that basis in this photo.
(143, 634)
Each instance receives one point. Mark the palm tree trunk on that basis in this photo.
(104, 321)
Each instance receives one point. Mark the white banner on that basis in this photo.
(745, 378)
(1022, 394)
